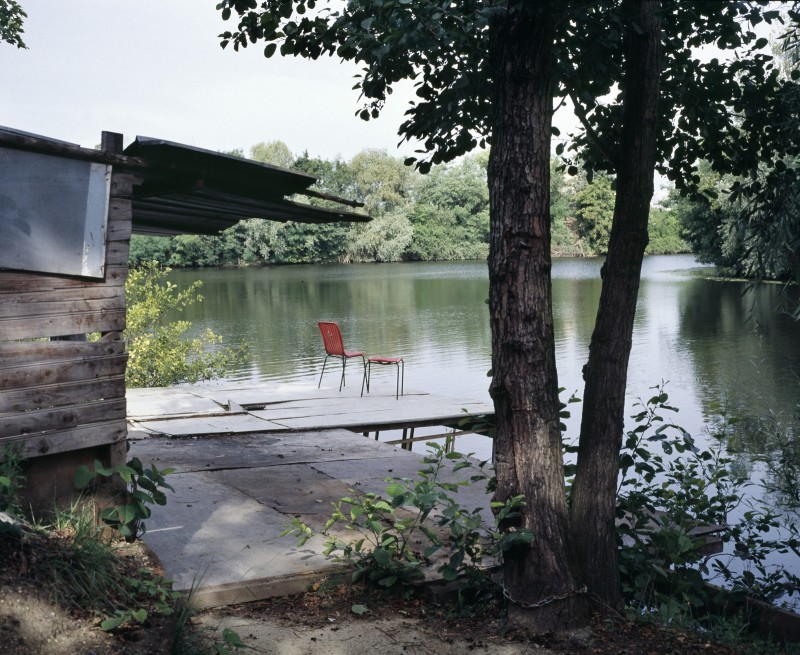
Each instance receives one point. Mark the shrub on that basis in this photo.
(159, 352)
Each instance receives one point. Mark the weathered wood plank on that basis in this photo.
(20, 353)
(62, 372)
(30, 302)
(36, 306)
(119, 229)
(14, 282)
(33, 144)
(60, 441)
(60, 418)
(122, 185)
(116, 274)
(117, 253)
(60, 325)
(55, 395)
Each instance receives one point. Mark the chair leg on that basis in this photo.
(401, 379)
(323, 371)
(365, 379)
(344, 364)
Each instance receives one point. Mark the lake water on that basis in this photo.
(713, 342)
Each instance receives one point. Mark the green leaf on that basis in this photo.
(381, 556)
(359, 610)
(114, 622)
(126, 513)
(83, 476)
(232, 638)
(139, 615)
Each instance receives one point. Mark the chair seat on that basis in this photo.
(353, 353)
(385, 360)
(380, 359)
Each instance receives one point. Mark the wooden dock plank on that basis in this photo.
(284, 409)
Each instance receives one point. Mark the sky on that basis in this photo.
(155, 68)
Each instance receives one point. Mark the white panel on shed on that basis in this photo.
(53, 214)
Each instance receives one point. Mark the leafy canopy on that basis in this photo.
(12, 17)
(715, 109)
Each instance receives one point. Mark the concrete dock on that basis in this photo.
(250, 459)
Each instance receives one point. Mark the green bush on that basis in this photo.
(159, 352)
(145, 488)
(396, 536)
(665, 496)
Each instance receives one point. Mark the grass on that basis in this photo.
(82, 567)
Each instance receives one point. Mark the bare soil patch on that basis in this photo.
(37, 618)
(322, 620)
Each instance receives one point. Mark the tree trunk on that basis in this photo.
(524, 387)
(605, 374)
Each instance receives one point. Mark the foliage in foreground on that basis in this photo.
(668, 488)
(159, 351)
(666, 497)
(10, 478)
(419, 521)
(144, 488)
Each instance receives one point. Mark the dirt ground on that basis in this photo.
(34, 621)
(321, 620)
(324, 622)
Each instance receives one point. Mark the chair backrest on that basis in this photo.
(332, 338)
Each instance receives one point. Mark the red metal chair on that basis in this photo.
(334, 347)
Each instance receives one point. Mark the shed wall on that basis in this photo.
(58, 394)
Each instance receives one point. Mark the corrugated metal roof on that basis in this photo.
(189, 190)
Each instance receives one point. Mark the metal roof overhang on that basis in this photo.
(188, 190)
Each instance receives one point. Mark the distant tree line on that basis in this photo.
(443, 215)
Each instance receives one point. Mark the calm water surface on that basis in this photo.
(713, 342)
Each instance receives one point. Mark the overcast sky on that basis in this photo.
(155, 68)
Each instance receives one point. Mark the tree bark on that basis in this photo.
(602, 424)
(524, 387)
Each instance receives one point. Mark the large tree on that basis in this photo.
(487, 72)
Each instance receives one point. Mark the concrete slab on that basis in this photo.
(242, 476)
(220, 530)
(211, 534)
(195, 409)
(278, 392)
(223, 424)
(158, 402)
(292, 490)
(257, 450)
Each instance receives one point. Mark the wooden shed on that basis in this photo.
(66, 217)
